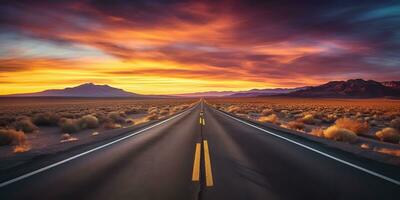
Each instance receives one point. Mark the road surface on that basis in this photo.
(205, 154)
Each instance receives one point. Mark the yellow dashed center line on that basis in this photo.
(207, 163)
(196, 163)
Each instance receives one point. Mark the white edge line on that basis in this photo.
(320, 152)
(87, 152)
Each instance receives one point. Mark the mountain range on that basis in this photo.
(246, 93)
(354, 88)
(84, 90)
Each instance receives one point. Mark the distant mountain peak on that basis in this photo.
(83, 90)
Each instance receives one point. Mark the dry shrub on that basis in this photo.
(116, 117)
(395, 123)
(319, 132)
(353, 125)
(88, 121)
(152, 110)
(46, 119)
(5, 121)
(295, 125)
(141, 120)
(69, 125)
(308, 119)
(339, 134)
(388, 135)
(12, 137)
(164, 112)
(270, 119)
(132, 111)
(95, 133)
(25, 124)
(151, 117)
(233, 109)
(67, 138)
(267, 112)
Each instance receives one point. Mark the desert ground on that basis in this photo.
(34, 124)
(370, 124)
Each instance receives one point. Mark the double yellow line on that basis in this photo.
(202, 121)
(207, 164)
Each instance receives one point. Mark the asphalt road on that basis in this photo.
(205, 156)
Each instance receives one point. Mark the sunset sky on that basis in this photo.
(166, 47)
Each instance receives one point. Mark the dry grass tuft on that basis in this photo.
(25, 124)
(340, 134)
(353, 125)
(319, 132)
(308, 119)
(151, 117)
(164, 112)
(395, 123)
(152, 110)
(270, 119)
(393, 152)
(233, 109)
(295, 125)
(267, 112)
(388, 135)
(12, 137)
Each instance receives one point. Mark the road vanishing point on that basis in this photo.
(203, 153)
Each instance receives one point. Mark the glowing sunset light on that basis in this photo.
(169, 48)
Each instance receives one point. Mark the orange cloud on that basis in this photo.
(171, 48)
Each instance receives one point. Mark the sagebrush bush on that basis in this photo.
(340, 134)
(12, 137)
(233, 109)
(88, 122)
(270, 119)
(46, 119)
(69, 125)
(132, 111)
(295, 125)
(395, 123)
(117, 117)
(267, 112)
(355, 126)
(5, 121)
(152, 117)
(388, 135)
(152, 110)
(164, 112)
(25, 124)
(319, 132)
(308, 119)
